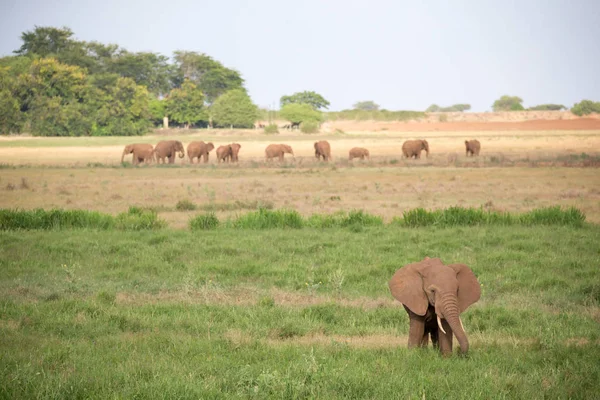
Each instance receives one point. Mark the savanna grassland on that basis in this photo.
(301, 311)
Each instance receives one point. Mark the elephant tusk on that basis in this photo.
(461, 324)
(440, 324)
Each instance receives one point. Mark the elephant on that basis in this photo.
(142, 152)
(413, 148)
(224, 153)
(166, 149)
(277, 150)
(358, 152)
(199, 150)
(322, 149)
(473, 147)
(434, 295)
(235, 149)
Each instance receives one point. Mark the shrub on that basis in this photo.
(585, 107)
(204, 222)
(353, 219)
(309, 127)
(377, 115)
(271, 129)
(443, 118)
(265, 219)
(185, 205)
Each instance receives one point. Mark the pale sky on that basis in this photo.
(402, 54)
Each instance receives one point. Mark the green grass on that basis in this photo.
(179, 314)
(135, 219)
(204, 222)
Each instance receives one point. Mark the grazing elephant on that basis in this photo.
(142, 152)
(434, 295)
(277, 150)
(473, 147)
(166, 149)
(224, 153)
(413, 148)
(235, 149)
(199, 150)
(358, 152)
(322, 149)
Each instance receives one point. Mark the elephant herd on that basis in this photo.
(166, 150)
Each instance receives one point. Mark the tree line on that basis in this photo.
(56, 85)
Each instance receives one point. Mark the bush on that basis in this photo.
(265, 219)
(376, 115)
(586, 107)
(547, 107)
(271, 129)
(185, 205)
(204, 222)
(309, 127)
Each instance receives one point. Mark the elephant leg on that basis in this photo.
(445, 339)
(416, 331)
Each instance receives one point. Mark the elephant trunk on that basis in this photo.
(452, 316)
(181, 154)
(123, 156)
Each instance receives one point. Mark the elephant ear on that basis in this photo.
(469, 290)
(407, 287)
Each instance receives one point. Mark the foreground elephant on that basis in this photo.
(413, 148)
(142, 152)
(434, 295)
(358, 152)
(199, 150)
(277, 150)
(235, 149)
(473, 147)
(166, 149)
(322, 149)
(224, 153)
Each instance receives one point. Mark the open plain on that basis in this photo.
(297, 313)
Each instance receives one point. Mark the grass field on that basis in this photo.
(296, 313)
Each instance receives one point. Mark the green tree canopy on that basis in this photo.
(548, 107)
(315, 100)
(209, 75)
(586, 107)
(11, 118)
(508, 103)
(453, 108)
(185, 105)
(234, 108)
(298, 113)
(366, 106)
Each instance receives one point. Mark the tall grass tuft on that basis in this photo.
(341, 219)
(138, 219)
(266, 219)
(204, 222)
(53, 219)
(553, 216)
(185, 205)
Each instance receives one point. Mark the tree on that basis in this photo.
(586, 107)
(315, 100)
(211, 77)
(234, 108)
(366, 106)
(185, 105)
(548, 107)
(11, 118)
(147, 69)
(45, 41)
(508, 103)
(453, 108)
(298, 113)
(157, 109)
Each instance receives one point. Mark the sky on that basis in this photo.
(402, 54)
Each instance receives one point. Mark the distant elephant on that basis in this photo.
(413, 148)
(358, 152)
(235, 149)
(166, 149)
(322, 149)
(142, 152)
(224, 153)
(199, 150)
(434, 295)
(473, 147)
(277, 150)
